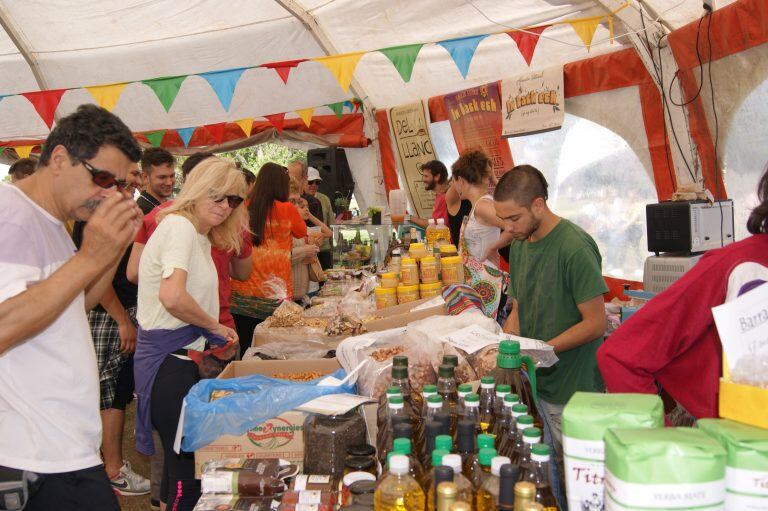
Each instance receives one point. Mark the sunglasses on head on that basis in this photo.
(103, 178)
(232, 200)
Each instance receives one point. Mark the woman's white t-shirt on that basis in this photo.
(176, 244)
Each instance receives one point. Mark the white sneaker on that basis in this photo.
(129, 483)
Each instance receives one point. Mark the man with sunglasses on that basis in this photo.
(49, 383)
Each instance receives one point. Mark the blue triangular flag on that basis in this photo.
(185, 134)
(462, 50)
(223, 84)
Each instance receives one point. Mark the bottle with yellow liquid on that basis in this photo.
(471, 465)
(403, 446)
(446, 496)
(464, 390)
(472, 411)
(399, 491)
(441, 474)
(498, 405)
(448, 389)
(501, 426)
(506, 444)
(525, 494)
(488, 494)
(487, 386)
(466, 491)
(538, 474)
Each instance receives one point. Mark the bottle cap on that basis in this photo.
(496, 464)
(485, 456)
(465, 388)
(446, 371)
(443, 474)
(540, 453)
(520, 409)
(508, 475)
(447, 490)
(465, 436)
(361, 463)
(403, 430)
(400, 372)
(393, 391)
(531, 435)
(524, 421)
(485, 440)
(398, 464)
(402, 445)
(471, 400)
(362, 487)
(399, 361)
(511, 400)
(502, 390)
(361, 450)
(453, 461)
(525, 489)
(396, 402)
(437, 457)
(509, 355)
(509, 347)
(431, 221)
(487, 382)
(435, 401)
(451, 360)
(429, 390)
(444, 442)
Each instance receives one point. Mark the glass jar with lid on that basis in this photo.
(327, 438)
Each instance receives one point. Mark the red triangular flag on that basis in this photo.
(527, 41)
(45, 102)
(276, 120)
(284, 68)
(217, 131)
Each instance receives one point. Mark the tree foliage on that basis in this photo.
(256, 156)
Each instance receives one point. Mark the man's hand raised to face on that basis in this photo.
(111, 229)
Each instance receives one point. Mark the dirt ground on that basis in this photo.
(140, 463)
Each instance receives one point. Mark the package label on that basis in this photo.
(221, 482)
(584, 473)
(747, 490)
(623, 495)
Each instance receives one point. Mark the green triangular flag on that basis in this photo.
(2, 149)
(155, 137)
(338, 108)
(166, 89)
(403, 58)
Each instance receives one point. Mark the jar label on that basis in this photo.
(310, 497)
(319, 479)
(219, 482)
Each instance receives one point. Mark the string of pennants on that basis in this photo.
(217, 131)
(341, 66)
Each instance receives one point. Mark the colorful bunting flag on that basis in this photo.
(462, 50)
(217, 131)
(276, 120)
(246, 125)
(223, 84)
(45, 102)
(2, 149)
(186, 135)
(24, 150)
(106, 96)
(283, 69)
(403, 58)
(342, 66)
(166, 89)
(155, 137)
(527, 41)
(585, 28)
(306, 115)
(338, 108)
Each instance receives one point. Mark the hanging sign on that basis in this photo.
(533, 102)
(414, 148)
(475, 117)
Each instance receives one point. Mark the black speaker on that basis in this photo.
(332, 164)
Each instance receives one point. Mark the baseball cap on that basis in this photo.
(313, 174)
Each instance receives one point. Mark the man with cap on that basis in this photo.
(313, 183)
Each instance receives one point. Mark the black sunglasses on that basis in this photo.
(232, 200)
(315, 182)
(104, 178)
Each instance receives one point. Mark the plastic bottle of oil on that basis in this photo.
(509, 371)
(487, 385)
(384, 437)
(431, 432)
(426, 392)
(399, 491)
(523, 422)
(403, 446)
(448, 389)
(464, 390)
(472, 411)
(466, 491)
(501, 426)
(435, 475)
(472, 468)
(525, 494)
(488, 494)
(498, 404)
(531, 437)
(465, 443)
(538, 474)
(446, 495)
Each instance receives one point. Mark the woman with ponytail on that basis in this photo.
(672, 342)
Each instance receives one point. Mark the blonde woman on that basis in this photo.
(178, 310)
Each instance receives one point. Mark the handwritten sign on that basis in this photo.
(743, 327)
(414, 147)
(533, 102)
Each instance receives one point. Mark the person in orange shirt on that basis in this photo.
(274, 222)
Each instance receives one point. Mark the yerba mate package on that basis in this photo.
(585, 419)
(746, 471)
(663, 469)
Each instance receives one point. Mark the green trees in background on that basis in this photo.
(254, 157)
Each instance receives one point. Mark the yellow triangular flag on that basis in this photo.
(585, 28)
(106, 96)
(246, 125)
(306, 115)
(24, 150)
(342, 66)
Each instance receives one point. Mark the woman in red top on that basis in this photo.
(274, 223)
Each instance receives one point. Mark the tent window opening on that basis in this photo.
(596, 181)
(444, 143)
(744, 156)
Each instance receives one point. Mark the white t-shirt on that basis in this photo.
(49, 384)
(176, 244)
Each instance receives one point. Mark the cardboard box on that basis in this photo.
(281, 436)
(400, 315)
(743, 403)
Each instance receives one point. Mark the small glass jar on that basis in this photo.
(360, 464)
(452, 270)
(409, 272)
(417, 250)
(361, 482)
(385, 297)
(428, 270)
(448, 251)
(430, 290)
(389, 280)
(326, 439)
(406, 294)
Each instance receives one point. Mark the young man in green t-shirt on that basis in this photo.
(556, 288)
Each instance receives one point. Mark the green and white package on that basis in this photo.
(663, 469)
(585, 419)
(746, 471)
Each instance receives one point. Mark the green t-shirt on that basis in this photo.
(549, 278)
(327, 219)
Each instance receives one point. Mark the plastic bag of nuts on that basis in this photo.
(465, 373)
